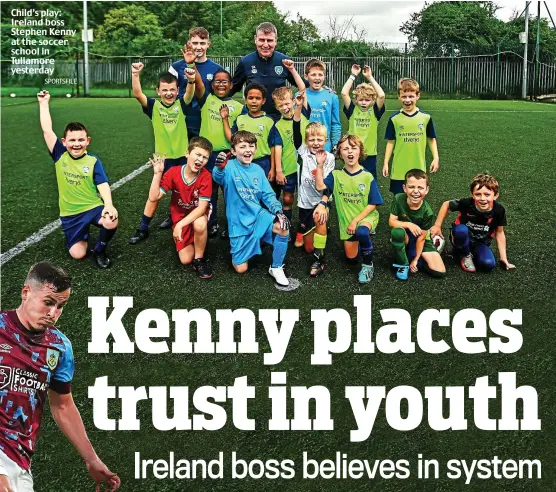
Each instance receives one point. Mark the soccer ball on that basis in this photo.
(68, 95)
(12, 94)
(439, 243)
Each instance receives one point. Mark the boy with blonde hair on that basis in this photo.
(480, 218)
(313, 205)
(408, 132)
(365, 113)
(284, 151)
(325, 106)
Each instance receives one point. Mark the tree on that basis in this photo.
(468, 26)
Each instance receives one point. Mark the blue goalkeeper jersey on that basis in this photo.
(325, 109)
(245, 188)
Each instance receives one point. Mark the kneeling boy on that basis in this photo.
(191, 187)
(480, 218)
(411, 217)
(81, 179)
(245, 188)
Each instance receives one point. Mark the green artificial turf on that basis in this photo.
(508, 139)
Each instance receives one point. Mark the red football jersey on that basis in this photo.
(31, 362)
(185, 196)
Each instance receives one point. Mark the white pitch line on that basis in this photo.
(49, 228)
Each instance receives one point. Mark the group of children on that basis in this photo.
(255, 160)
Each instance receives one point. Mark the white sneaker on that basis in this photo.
(279, 276)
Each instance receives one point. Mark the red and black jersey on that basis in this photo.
(481, 225)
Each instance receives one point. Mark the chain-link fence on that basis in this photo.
(496, 72)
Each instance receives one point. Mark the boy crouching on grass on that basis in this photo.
(81, 179)
(356, 196)
(245, 188)
(480, 218)
(411, 217)
(191, 188)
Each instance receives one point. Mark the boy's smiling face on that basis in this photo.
(416, 190)
(197, 159)
(315, 142)
(315, 76)
(409, 100)
(484, 198)
(244, 151)
(364, 103)
(168, 92)
(76, 142)
(221, 84)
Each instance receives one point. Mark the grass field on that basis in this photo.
(508, 139)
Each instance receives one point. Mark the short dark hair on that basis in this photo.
(417, 174)
(45, 273)
(222, 71)
(201, 143)
(198, 31)
(167, 78)
(243, 136)
(254, 85)
(75, 126)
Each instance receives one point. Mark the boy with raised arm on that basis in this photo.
(356, 196)
(411, 217)
(480, 218)
(365, 113)
(312, 203)
(81, 179)
(170, 132)
(215, 106)
(324, 103)
(408, 132)
(249, 223)
(191, 188)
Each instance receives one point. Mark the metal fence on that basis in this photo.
(497, 75)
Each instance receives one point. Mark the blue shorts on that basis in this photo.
(245, 247)
(264, 162)
(396, 186)
(76, 227)
(370, 164)
(291, 183)
(168, 163)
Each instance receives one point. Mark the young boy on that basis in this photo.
(213, 106)
(285, 156)
(365, 113)
(256, 122)
(195, 56)
(245, 187)
(480, 218)
(411, 217)
(313, 206)
(407, 133)
(325, 106)
(356, 196)
(169, 126)
(81, 178)
(191, 187)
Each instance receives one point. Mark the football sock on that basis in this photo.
(398, 242)
(365, 244)
(104, 237)
(145, 221)
(280, 245)
(319, 241)
(434, 273)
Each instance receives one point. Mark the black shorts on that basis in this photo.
(306, 220)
